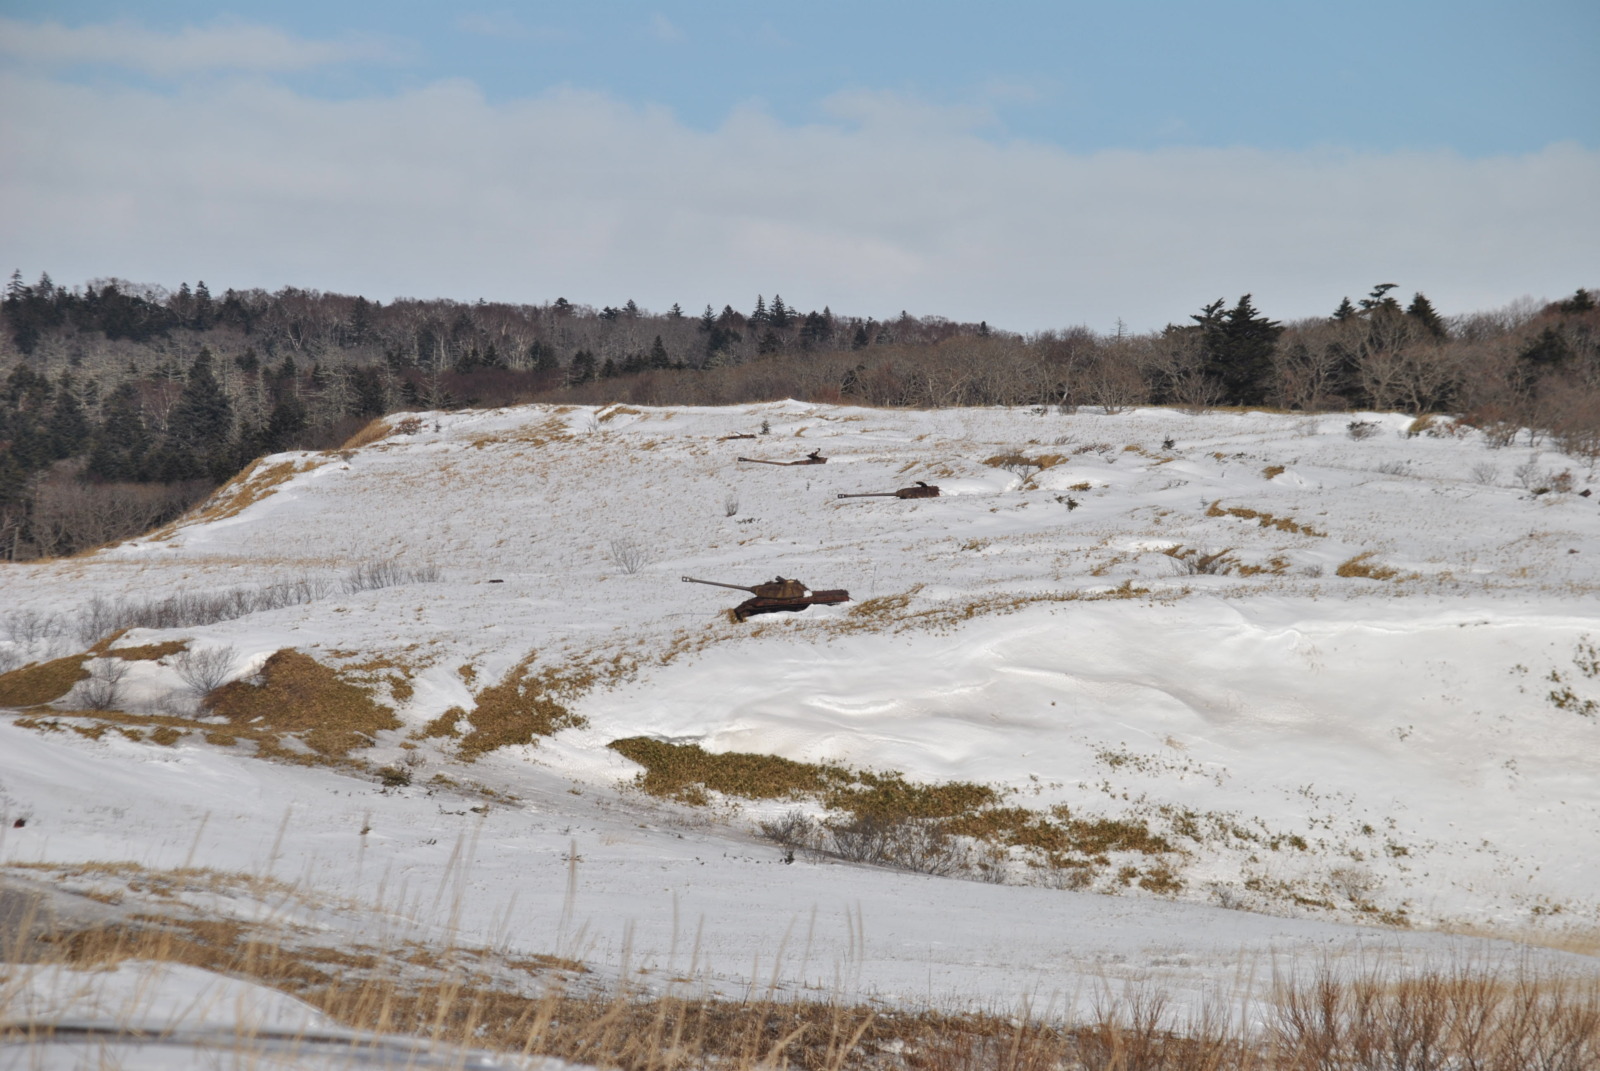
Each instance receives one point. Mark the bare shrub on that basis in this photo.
(628, 555)
(374, 575)
(793, 829)
(1528, 474)
(1361, 429)
(186, 609)
(1395, 468)
(103, 689)
(906, 843)
(27, 627)
(1485, 473)
(205, 670)
(1190, 562)
(730, 504)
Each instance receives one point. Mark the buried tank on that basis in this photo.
(918, 490)
(778, 595)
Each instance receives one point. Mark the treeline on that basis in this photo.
(122, 404)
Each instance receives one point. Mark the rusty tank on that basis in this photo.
(778, 595)
(917, 490)
(813, 458)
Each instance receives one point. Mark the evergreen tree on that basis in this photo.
(658, 355)
(202, 420)
(286, 421)
(759, 316)
(541, 358)
(1422, 311)
(582, 368)
(707, 320)
(204, 312)
(1379, 302)
(122, 440)
(67, 431)
(1582, 301)
(1236, 347)
(1345, 311)
(781, 315)
(676, 312)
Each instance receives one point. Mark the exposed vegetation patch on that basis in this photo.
(42, 682)
(375, 431)
(255, 483)
(685, 772)
(45, 682)
(301, 697)
(523, 706)
(942, 827)
(1265, 520)
(1362, 565)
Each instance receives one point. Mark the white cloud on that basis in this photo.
(438, 192)
(237, 47)
(502, 24)
(664, 30)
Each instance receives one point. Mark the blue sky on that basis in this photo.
(1032, 164)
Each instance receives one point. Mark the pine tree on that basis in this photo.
(1237, 346)
(759, 316)
(1422, 311)
(67, 431)
(203, 418)
(122, 440)
(780, 316)
(1345, 311)
(658, 355)
(708, 320)
(1581, 301)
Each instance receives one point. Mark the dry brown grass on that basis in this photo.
(42, 682)
(254, 483)
(523, 706)
(302, 698)
(1363, 566)
(1464, 1015)
(373, 432)
(45, 682)
(1265, 520)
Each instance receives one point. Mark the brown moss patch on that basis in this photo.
(300, 696)
(254, 483)
(525, 705)
(1362, 565)
(150, 652)
(685, 771)
(374, 431)
(1265, 520)
(42, 682)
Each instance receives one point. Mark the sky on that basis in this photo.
(1035, 165)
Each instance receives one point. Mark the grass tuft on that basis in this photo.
(302, 697)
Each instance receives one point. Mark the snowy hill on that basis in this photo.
(1340, 673)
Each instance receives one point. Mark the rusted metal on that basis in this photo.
(781, 594)
(919, 490)
(813, 458)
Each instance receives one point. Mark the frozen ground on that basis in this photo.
(1323, 751)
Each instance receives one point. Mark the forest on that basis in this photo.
(123, 404)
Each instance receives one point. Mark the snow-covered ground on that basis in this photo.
(1322, 751)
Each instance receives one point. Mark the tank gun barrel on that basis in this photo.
(872, 494)
(718, 584)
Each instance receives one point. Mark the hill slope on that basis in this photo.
(1313, 667)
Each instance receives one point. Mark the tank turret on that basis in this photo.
(778, 594)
